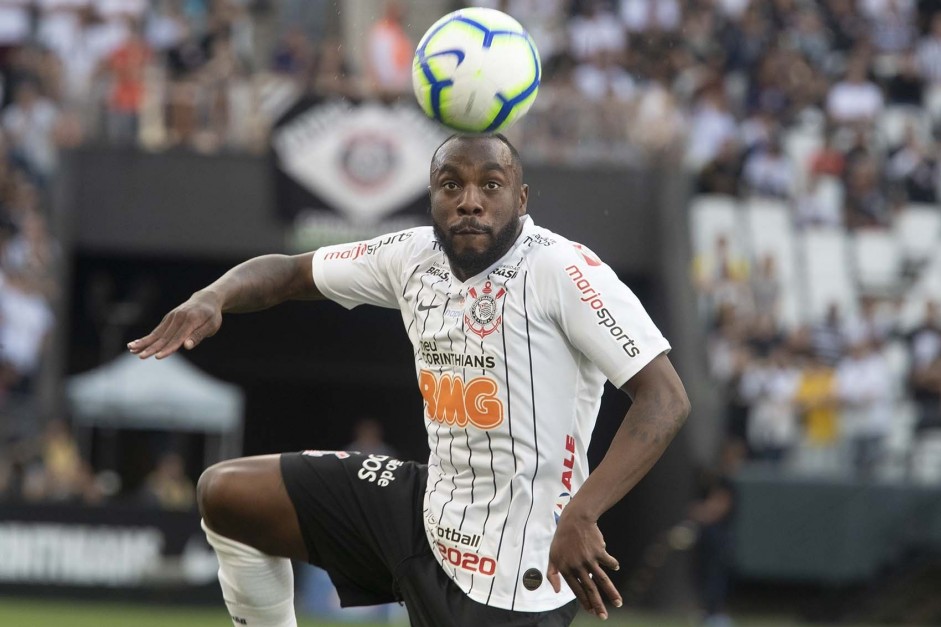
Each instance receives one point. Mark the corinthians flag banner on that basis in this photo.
(346, 171)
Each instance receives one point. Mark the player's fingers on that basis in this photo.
(592, 594)
(152, 346)
(153, 341)
(176, 332)
(198, 334)
(576, 587)
(608, 561)
(552, 574)
(141, 344)
(606, 586)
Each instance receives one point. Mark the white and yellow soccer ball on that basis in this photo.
(476, 70)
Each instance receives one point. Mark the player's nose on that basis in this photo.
(471, 201)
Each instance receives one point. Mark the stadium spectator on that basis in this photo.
(814, 208)
(769, 384)
(847, 24)
(728, 356)
(864, 384)
(659, 124)
(925, 379)
(602, 77)
(818, 402)
(389, 53)
(722, 174)
(855, 99)
(768, 171)
(765, 286)
(875, 321)
(906, 86)
(828, 336)
(867, 204)
(127, 65)
(711, 125)
(26, 322)
(827, 160)
(167, 486)
(720, 277)
(650, 16)
(29, 124)
(810, 37)
(57, 471)
(594, 30)
(713, 511)
(165, 28)
(929, 52)
(913, 169)
(891, 23)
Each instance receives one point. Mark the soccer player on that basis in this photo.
(515, 330)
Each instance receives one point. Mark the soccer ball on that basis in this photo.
(476, 70)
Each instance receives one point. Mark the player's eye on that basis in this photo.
(449, 185)
(492, 185)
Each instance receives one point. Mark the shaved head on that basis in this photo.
(515, 162)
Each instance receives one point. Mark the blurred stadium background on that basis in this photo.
(764, 175)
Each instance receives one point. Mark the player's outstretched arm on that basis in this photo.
(577, 554)
(256, 284)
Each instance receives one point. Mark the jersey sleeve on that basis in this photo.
(363, 273)
(599, 314)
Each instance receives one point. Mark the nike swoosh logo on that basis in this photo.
(424, 307)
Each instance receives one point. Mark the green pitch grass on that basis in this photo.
(49, 613)
(56, 613)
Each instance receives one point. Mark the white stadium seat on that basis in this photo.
(877, 261)
(895, 120)
(826, 273)
(918, 231)
(829, 194)
(711, 216)
(800, 144)
(933, 102)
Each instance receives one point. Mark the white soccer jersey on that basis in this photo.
(511, 364)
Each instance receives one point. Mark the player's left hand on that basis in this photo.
(578, 555)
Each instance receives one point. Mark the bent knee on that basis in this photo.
(245, 500)
(217, 494)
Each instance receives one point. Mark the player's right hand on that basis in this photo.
(187, 325)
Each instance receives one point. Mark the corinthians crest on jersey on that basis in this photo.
(482, 316)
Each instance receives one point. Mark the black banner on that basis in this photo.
(346, 171)
(125, 552)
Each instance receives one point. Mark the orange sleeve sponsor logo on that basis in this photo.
(449, 400)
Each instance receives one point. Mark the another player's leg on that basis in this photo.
(251, 523)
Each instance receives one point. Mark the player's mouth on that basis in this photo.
(469, 229)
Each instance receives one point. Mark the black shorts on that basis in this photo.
(361, 518)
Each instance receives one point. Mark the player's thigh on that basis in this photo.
(245, 500)
(352, 499)
(360, 515)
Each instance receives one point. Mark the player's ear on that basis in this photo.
(524, 198)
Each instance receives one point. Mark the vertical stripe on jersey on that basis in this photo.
(470, 452)
(532, 392)
(415, 316)
(509, 426)
(450, 429)
(404, 290)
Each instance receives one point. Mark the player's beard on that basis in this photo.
(473, 262)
